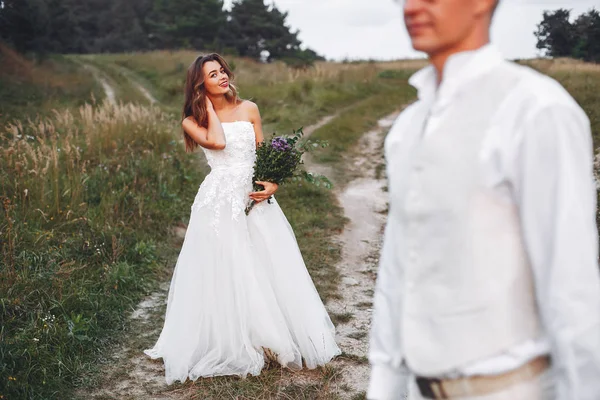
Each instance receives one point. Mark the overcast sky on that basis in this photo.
(374, 28)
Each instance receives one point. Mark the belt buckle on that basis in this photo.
(428, 386)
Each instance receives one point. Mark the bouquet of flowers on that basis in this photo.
(279, 160)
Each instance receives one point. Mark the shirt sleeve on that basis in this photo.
(388, 375)
(556, 195)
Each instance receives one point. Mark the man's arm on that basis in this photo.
(556, 193)
(387, 375)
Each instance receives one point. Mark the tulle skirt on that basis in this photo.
(240, 286)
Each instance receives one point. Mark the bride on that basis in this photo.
(240, 287)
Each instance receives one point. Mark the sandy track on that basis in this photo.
(364, 200)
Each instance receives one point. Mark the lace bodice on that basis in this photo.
(240, 148)
(230, 180)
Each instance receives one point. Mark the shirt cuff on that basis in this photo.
(387, 383)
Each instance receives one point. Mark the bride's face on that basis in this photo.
(216, 80)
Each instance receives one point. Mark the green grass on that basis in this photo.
(88, 198)
(85, 230)
(29, 88)
(273, 383)
(287, 99)
(344, 131)
(120, 78)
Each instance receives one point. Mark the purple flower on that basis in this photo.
(280, 144)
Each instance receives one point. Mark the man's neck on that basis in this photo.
(439, 59)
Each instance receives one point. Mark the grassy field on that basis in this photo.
(90, 190)
(29, 88)
(87, 195)
(90, 193)
(287, 98)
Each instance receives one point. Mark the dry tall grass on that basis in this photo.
(30, 87)
(88, 194)
(274, 86)
(165, 63)
(86, 197)
(55, 155)
(555, 65)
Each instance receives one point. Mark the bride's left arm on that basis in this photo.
(270, 188)
(254, 116)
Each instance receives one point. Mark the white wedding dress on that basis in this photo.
(240, 283)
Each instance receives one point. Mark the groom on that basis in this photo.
(489, 285)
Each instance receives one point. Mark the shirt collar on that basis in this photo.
(459, 69)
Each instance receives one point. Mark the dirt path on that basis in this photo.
(108, 84)
(364, 200)
(99, 76)
(145, 92)
(130, 374)
(135, 82)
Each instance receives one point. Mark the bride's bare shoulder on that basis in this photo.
(250, 109)
(249, 106)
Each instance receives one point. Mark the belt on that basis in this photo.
(480, 385)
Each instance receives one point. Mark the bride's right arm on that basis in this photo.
(212, 138)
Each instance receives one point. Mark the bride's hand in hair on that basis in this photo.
(209, 104)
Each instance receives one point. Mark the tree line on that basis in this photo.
(559, 37)
(250, 28)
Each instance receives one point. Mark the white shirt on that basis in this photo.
(542, 146)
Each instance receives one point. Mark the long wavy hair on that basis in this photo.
(195, 94)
